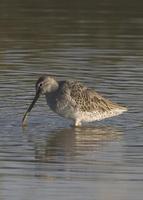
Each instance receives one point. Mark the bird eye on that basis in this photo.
(40, 85)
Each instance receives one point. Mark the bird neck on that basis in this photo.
(52, 88)
(51, 96)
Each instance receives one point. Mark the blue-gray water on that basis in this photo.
(99, 44)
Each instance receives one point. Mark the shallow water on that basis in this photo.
(98, 43)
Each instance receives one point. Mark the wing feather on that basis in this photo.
(84, 99)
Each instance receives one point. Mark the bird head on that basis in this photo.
(44, 85)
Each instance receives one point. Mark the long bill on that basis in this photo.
(30, 108)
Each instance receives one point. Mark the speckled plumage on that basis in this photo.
(73, 100)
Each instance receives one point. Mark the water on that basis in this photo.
(98, 43)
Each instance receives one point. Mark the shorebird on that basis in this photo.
(73, 100)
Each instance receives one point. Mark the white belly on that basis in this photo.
(96, 116)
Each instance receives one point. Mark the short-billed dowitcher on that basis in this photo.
(73, 100)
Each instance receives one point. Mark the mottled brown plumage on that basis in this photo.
(86, 100)
(73, 100)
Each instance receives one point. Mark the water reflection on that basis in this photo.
(69, 144)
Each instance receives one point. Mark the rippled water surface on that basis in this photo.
(99, 44)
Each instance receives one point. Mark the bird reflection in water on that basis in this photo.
(71, 143)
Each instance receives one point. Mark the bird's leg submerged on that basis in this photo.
(77, 123)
